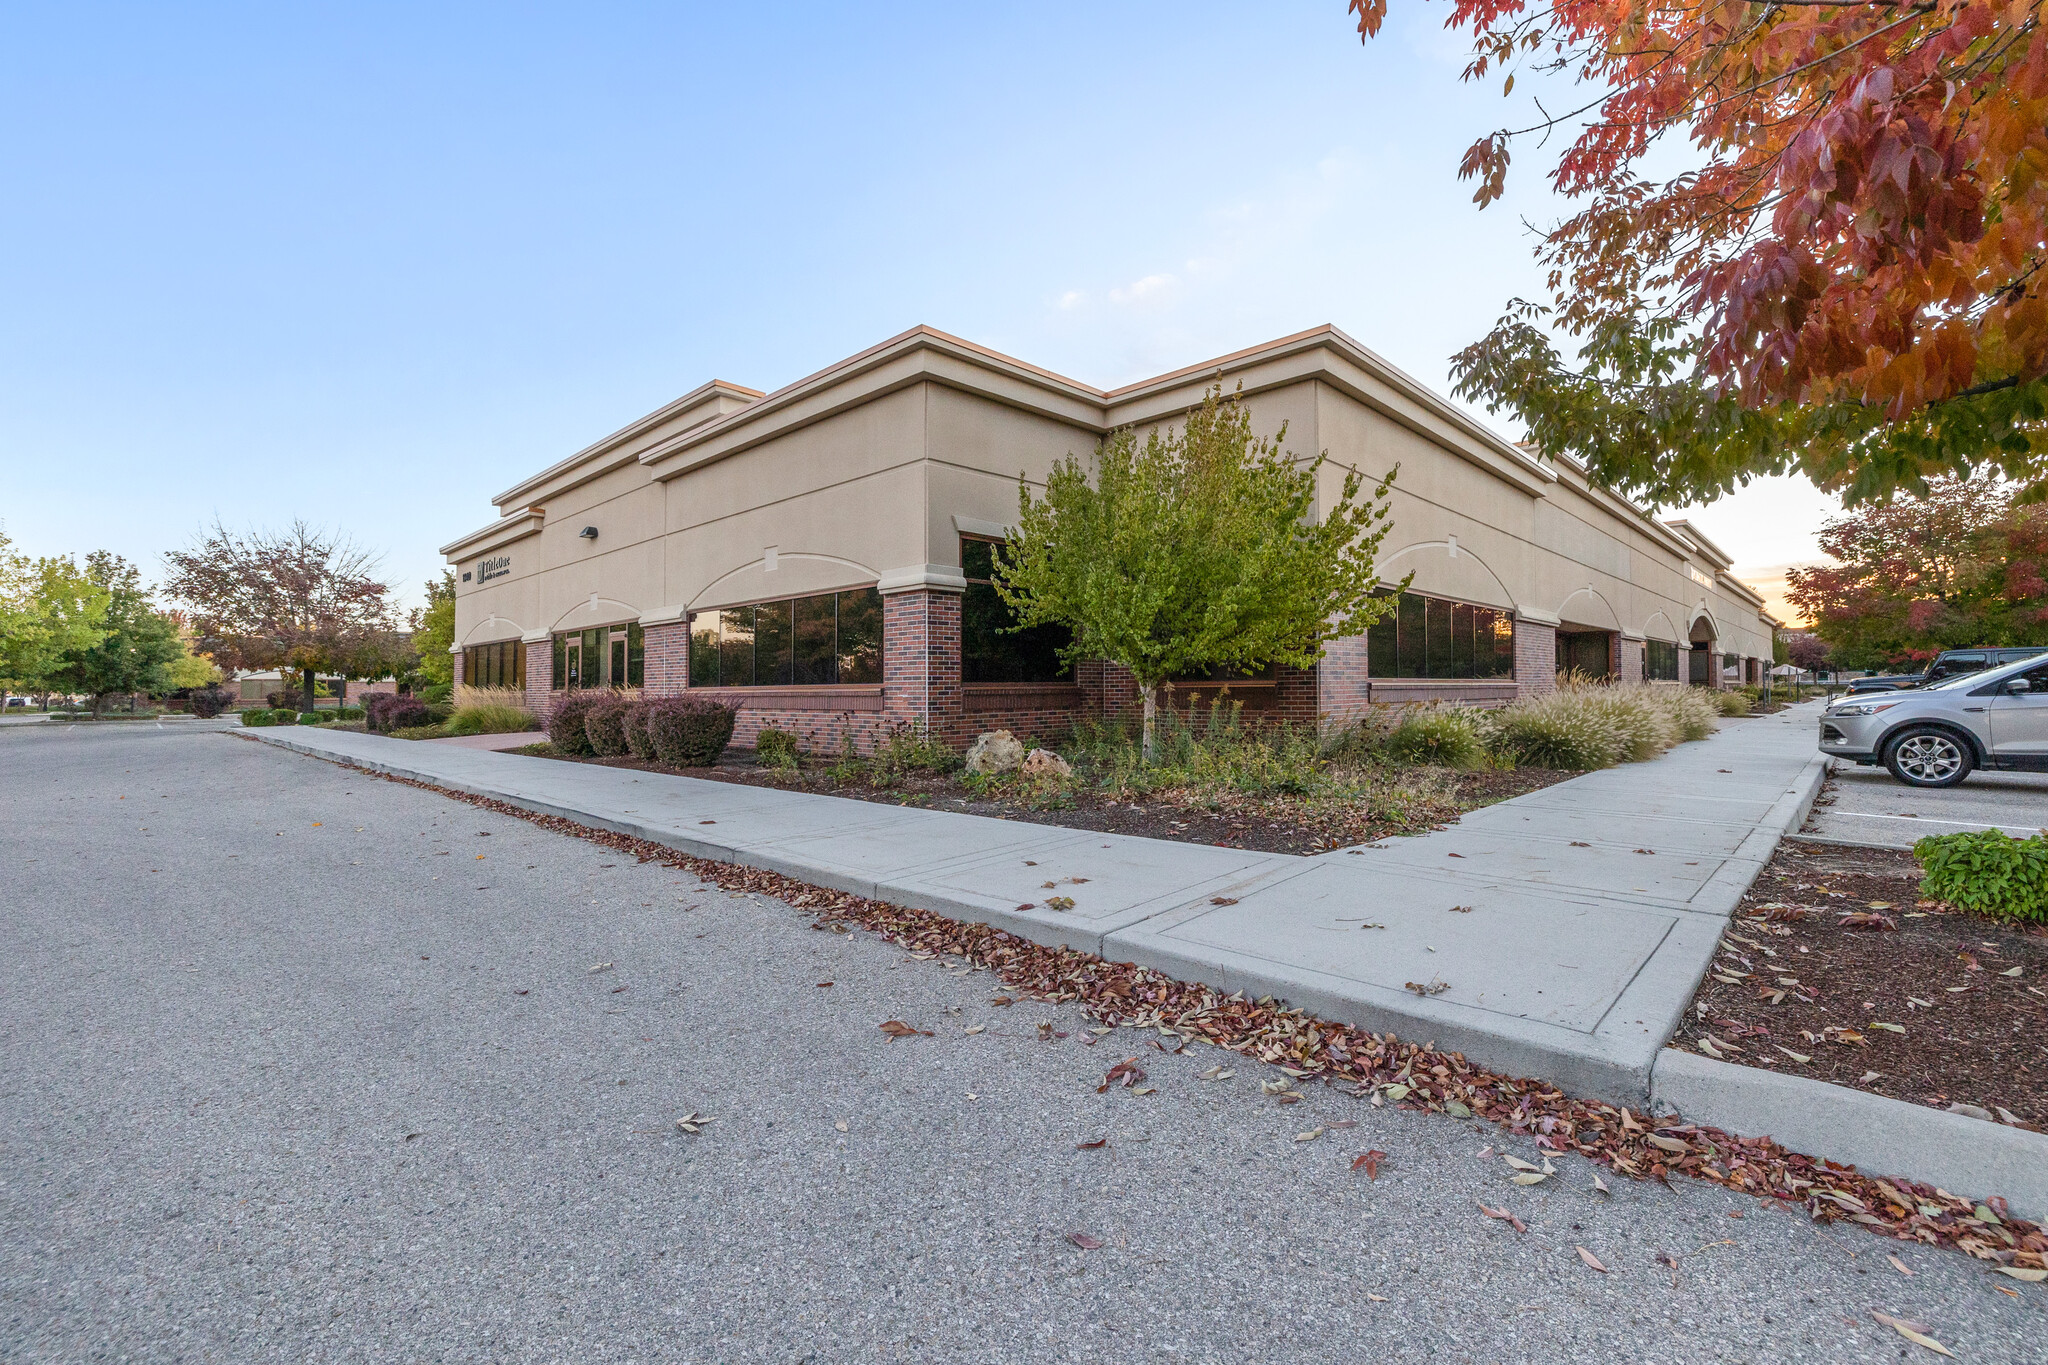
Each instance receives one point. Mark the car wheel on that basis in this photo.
(1926, 756)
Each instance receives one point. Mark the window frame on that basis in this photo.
(1063, 674)
(705, 665)
(1402, 638)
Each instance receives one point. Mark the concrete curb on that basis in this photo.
(1878, 1135)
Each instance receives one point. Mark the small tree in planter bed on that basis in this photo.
(689, 732)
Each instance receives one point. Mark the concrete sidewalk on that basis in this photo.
(1555, 935)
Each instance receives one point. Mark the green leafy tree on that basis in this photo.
(48, 609)
(1196, 550)
(433, 632)
(137, 645)
(302, 600)
(190, 670)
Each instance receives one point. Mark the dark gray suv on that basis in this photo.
(1950, 663)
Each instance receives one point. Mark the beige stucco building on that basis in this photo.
(818, 552)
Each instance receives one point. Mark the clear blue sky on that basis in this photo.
(368, 265)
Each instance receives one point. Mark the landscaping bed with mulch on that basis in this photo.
(1836, 968)
(1269, 824)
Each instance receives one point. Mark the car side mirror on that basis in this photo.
(2016, 686)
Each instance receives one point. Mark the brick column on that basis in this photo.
(540, 676)
(1535, 658)
(1343, 690)
(1629, 660)
(455, 664)
(921, 661)
(666, 658)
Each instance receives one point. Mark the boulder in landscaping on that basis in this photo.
(998, 751)
(1046, 763)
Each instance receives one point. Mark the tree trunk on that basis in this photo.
(312, 702)
(1151, 696)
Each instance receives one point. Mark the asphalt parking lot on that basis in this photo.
(298, 1064)
(1870, 806)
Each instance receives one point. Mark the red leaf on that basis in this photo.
(1371, 1161)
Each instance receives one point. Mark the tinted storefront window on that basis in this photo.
(502, 664)
(1660, 661)
(1434, 637)
(801, 641)
(990, 650)
(605, 656)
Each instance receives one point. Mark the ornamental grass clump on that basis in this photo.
(1987, 872)
(1445, 738)
(1733, 702)
(490, 711)
(1691, 713)
(689, 732)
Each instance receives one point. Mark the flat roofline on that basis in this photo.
(696, 397)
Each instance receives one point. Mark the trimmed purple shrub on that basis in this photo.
(634, 722)
(687, 731)
(605, 723)
(208, 702)
(377, 705)
(565, 722)
(406, 713)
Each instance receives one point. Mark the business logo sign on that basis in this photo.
(497, 566)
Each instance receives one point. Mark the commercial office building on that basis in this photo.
(820, 553)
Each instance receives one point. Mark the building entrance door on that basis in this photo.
(573, 662)
(1702, 671)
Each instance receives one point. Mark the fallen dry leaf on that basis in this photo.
(896, 1028)
(840, 1125)
(1126, 1072)
(1091, 1146)
(1436, 986)
(1529, 1178)
(1520, 1164)
(975, 1028)
(1059, 902)
(1590, 1259)
(1899, 1265)
(1666, 1259)
(2024, 1274)
(1371, 1162)
(1310, 1136)
(1223, 900)
(1600, 1184)
(693, 1123)
(1084, 1241)
(1505, 1216)
(1915, 1332)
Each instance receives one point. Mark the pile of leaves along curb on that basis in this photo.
(1379, 1067)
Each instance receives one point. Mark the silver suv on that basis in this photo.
(1934, 736)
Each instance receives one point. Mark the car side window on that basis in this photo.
(1951, 665)
(2037, 677)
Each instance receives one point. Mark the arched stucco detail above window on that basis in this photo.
(1661, 627)
(797, 573)
(490, 630)
(595, 610)
(1447, 569)
(1703, 628)
(1588, 607)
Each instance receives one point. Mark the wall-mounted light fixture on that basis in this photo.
(587, 533)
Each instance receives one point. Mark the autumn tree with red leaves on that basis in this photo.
(1915, 576)
(1847, 285)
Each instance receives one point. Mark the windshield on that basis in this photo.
(1980, 677)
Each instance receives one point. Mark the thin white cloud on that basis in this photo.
(1152, 287)
(1072, 299)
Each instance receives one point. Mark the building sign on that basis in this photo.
(1705, 580)
(497, 566)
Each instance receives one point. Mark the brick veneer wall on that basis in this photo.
(665, 658)
(455, 663)
(540, 677)
(1343, 682)
(1535, 658)
(921, 660)
(1629, 660)
(1107, 689)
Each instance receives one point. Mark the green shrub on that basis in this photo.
(349, 713)
(311, 717)
(689, 732)
(909, 747)
(1987, 872)
(565, 722)
(418, 732)
(605, 724)
(1447, 739)
(639, 742)
(436, 693)
(1732, 703)
(491, 719)
(775, 748)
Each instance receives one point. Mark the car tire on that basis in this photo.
(1929, 756)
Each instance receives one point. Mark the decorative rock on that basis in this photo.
(1046, 763)
(998, 751)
